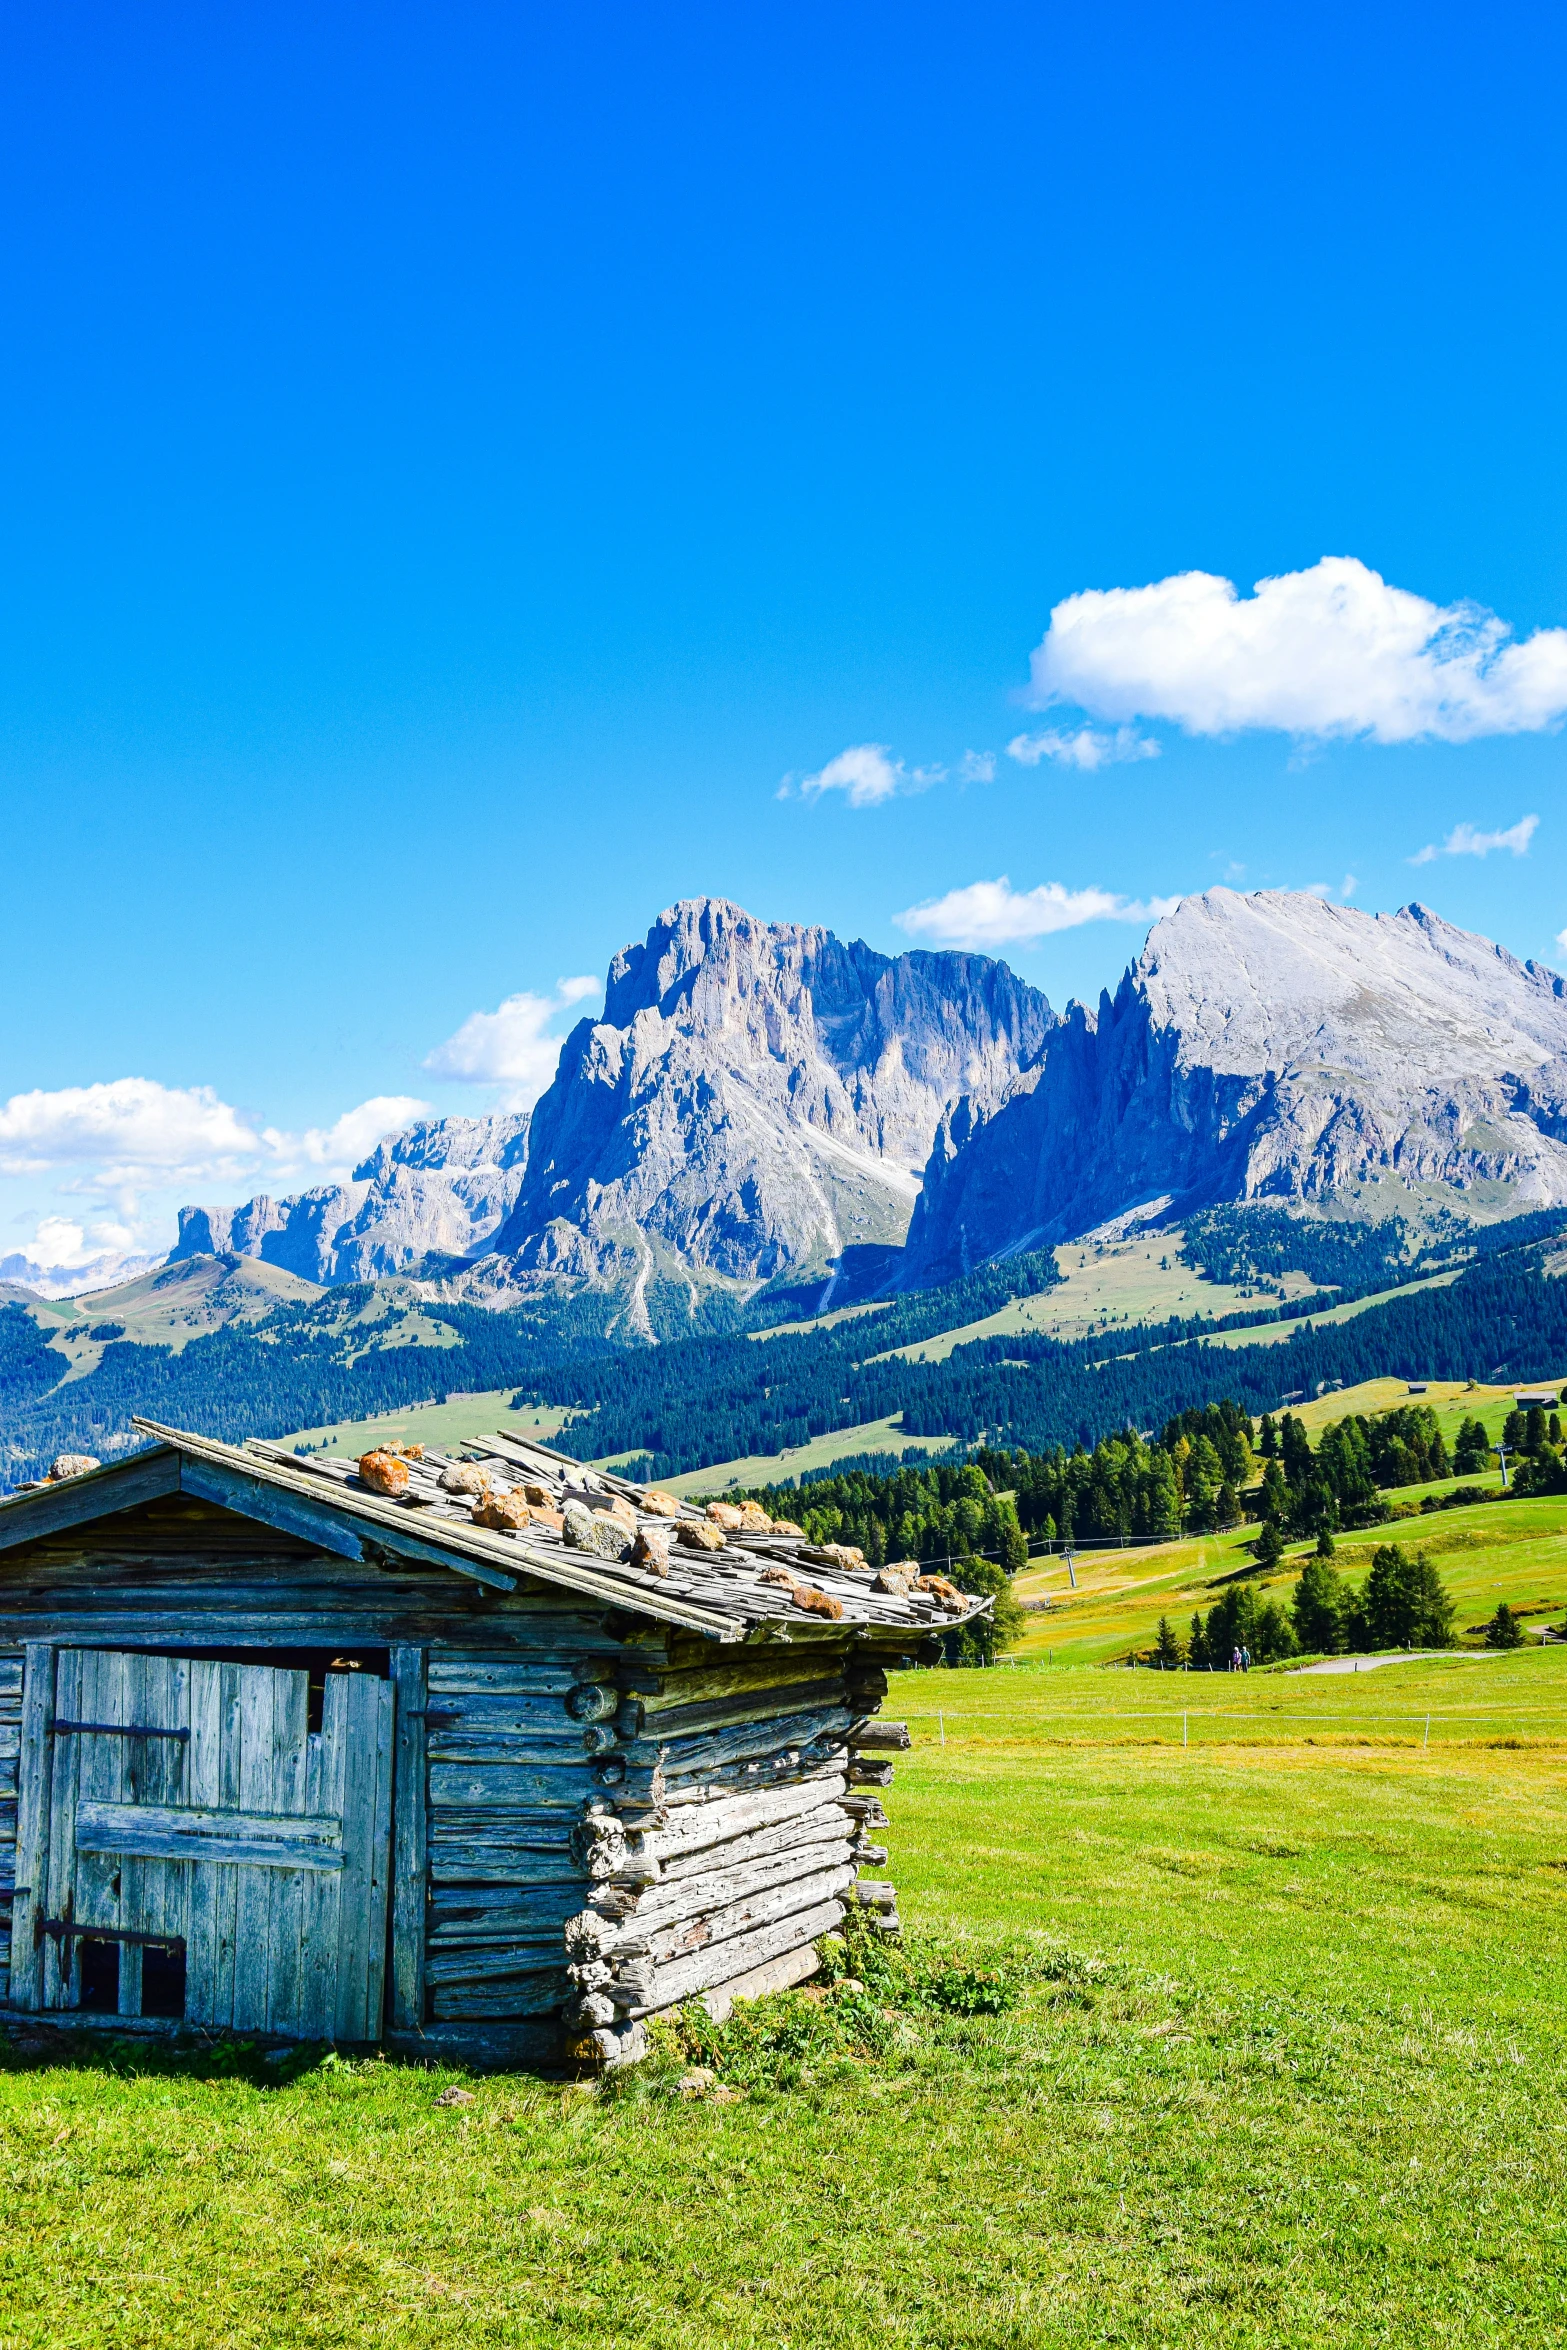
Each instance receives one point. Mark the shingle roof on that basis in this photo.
(723, 1592)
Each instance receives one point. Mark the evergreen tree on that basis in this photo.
(1268, 1442)
(1268, 1548)
(1318, 1608)
(1325, 1545)
(1503, 1629)
(1534, 1431)
(1296, 1450)
(1168, 1654)
(987, 1637)
(1405, 1602)
(1472, 1452)
(1227, 1508)
(1275, 1499)
(1514, 1429)
(1198, 1654)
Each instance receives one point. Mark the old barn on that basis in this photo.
(492, 1756)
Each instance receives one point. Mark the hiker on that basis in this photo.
(1235, 1660)
(1245, 1658)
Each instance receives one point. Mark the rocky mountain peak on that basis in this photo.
(1269, 1046)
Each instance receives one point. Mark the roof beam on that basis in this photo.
(98, 1493)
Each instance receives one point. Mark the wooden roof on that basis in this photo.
(322, 1500)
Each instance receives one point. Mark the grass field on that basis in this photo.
(443, 1424)
(1287, 2069)
(1502, 1550)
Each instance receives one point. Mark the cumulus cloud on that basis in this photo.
(131, 1136)
(1465, 841)
(350, 1138)
(977, 767)
(130, 1125)
(866, 774)
(1086, 748)
(993, 914)
(1331, 652)
(510, 1046)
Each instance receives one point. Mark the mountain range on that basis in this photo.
(1309, 1106)
(761, 1104)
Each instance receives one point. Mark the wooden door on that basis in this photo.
(180, 1805)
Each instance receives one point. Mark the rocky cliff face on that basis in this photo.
(1268, 1047)
(445, 1185)
(756, 1098)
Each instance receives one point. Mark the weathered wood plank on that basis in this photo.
(362, 1718)
(484, 1963)
(722, 1961)
(479, 1913)
(548, 1675)
(32, 1826)
(519, 1995)
(769, 1736)
(199, 1832)
(778, 1974)
(725, 1815)
(410, 1853)
(319, 1907)
(286, 1905)
(697, 1896)
(76, 1501)
(565, 1742)
(822, 1820)
(757, 1670)
(381, 1859)
(737, 1707)
(512, 1783)
(202, 1955)
(60, 1979)
(743, 1915)
(258, 1694)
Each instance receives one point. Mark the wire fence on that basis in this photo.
(1185, 1723)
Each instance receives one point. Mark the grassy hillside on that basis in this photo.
(1279, 2062)
(444, 1425)
(1504, 1550)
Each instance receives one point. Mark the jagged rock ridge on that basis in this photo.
(756, 1099)
(1266, 1047)
(443, 1186)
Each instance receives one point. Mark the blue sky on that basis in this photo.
(458, 463)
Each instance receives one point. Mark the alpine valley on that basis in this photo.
(787, 1186)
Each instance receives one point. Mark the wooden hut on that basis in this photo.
(492, 1756)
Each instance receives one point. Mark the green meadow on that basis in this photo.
(1256, 2040)
(1495, 1550)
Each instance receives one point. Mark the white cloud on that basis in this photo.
(353, 1136)
(1086, 748)
(1465, 841)
(993, 914)
(510, 1046)
(132, 1125)
(866, 773)
(977, 767)
(1331, 652)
